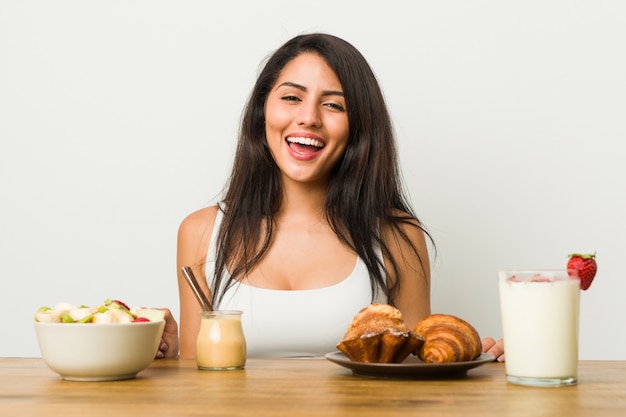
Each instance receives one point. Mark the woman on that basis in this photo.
(313, 225)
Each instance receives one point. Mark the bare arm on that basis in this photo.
(413, 278)
(193, 242)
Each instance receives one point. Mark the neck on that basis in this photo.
(303, 200)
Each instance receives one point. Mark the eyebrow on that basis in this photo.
(303, 88)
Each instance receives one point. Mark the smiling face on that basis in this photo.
(306, 120)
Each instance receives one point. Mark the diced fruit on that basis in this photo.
(120, 315)
(79, 314)
(66, 318)
(47, 315)
(102, 318)
(112, 311)
(116, 307)
(86, 319)
(116, 304)
(152, 314)
(140, 319)
(585, 266)
(122, 304)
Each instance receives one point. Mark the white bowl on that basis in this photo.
(98, 352)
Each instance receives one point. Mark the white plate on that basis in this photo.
(412, 367)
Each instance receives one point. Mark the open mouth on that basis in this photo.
(304, 145)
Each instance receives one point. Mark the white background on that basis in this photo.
(118, 118)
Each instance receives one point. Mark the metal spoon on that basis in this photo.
(193, 283)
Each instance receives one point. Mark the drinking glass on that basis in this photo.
(540, 310)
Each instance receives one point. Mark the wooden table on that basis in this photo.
(303, 387)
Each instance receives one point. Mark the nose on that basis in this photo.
(309, 115)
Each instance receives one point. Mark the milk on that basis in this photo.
(221, 343)
(540, 311)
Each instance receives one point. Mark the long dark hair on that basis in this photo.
(364, 192)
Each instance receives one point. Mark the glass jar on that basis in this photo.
(221, 344)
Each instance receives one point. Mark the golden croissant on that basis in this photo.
(447, 339)
(378, 334)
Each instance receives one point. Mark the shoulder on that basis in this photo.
(402, 223)
(199, 220)
(194, 234)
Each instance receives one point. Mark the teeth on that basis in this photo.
(306, 141)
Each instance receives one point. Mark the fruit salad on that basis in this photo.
(111, 311)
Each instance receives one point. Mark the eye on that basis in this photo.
(290, 98)
(336, 106)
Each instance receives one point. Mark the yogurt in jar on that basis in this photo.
(221, 344)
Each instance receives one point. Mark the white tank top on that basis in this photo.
(295, 323)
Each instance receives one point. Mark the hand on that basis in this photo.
(493, 347)
(168, 348)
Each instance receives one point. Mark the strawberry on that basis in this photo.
(141, 319)
(585, 265)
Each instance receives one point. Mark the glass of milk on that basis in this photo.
(221, 344)
(540, 310)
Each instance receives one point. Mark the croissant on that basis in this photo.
(377, 334)
(447, 339)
